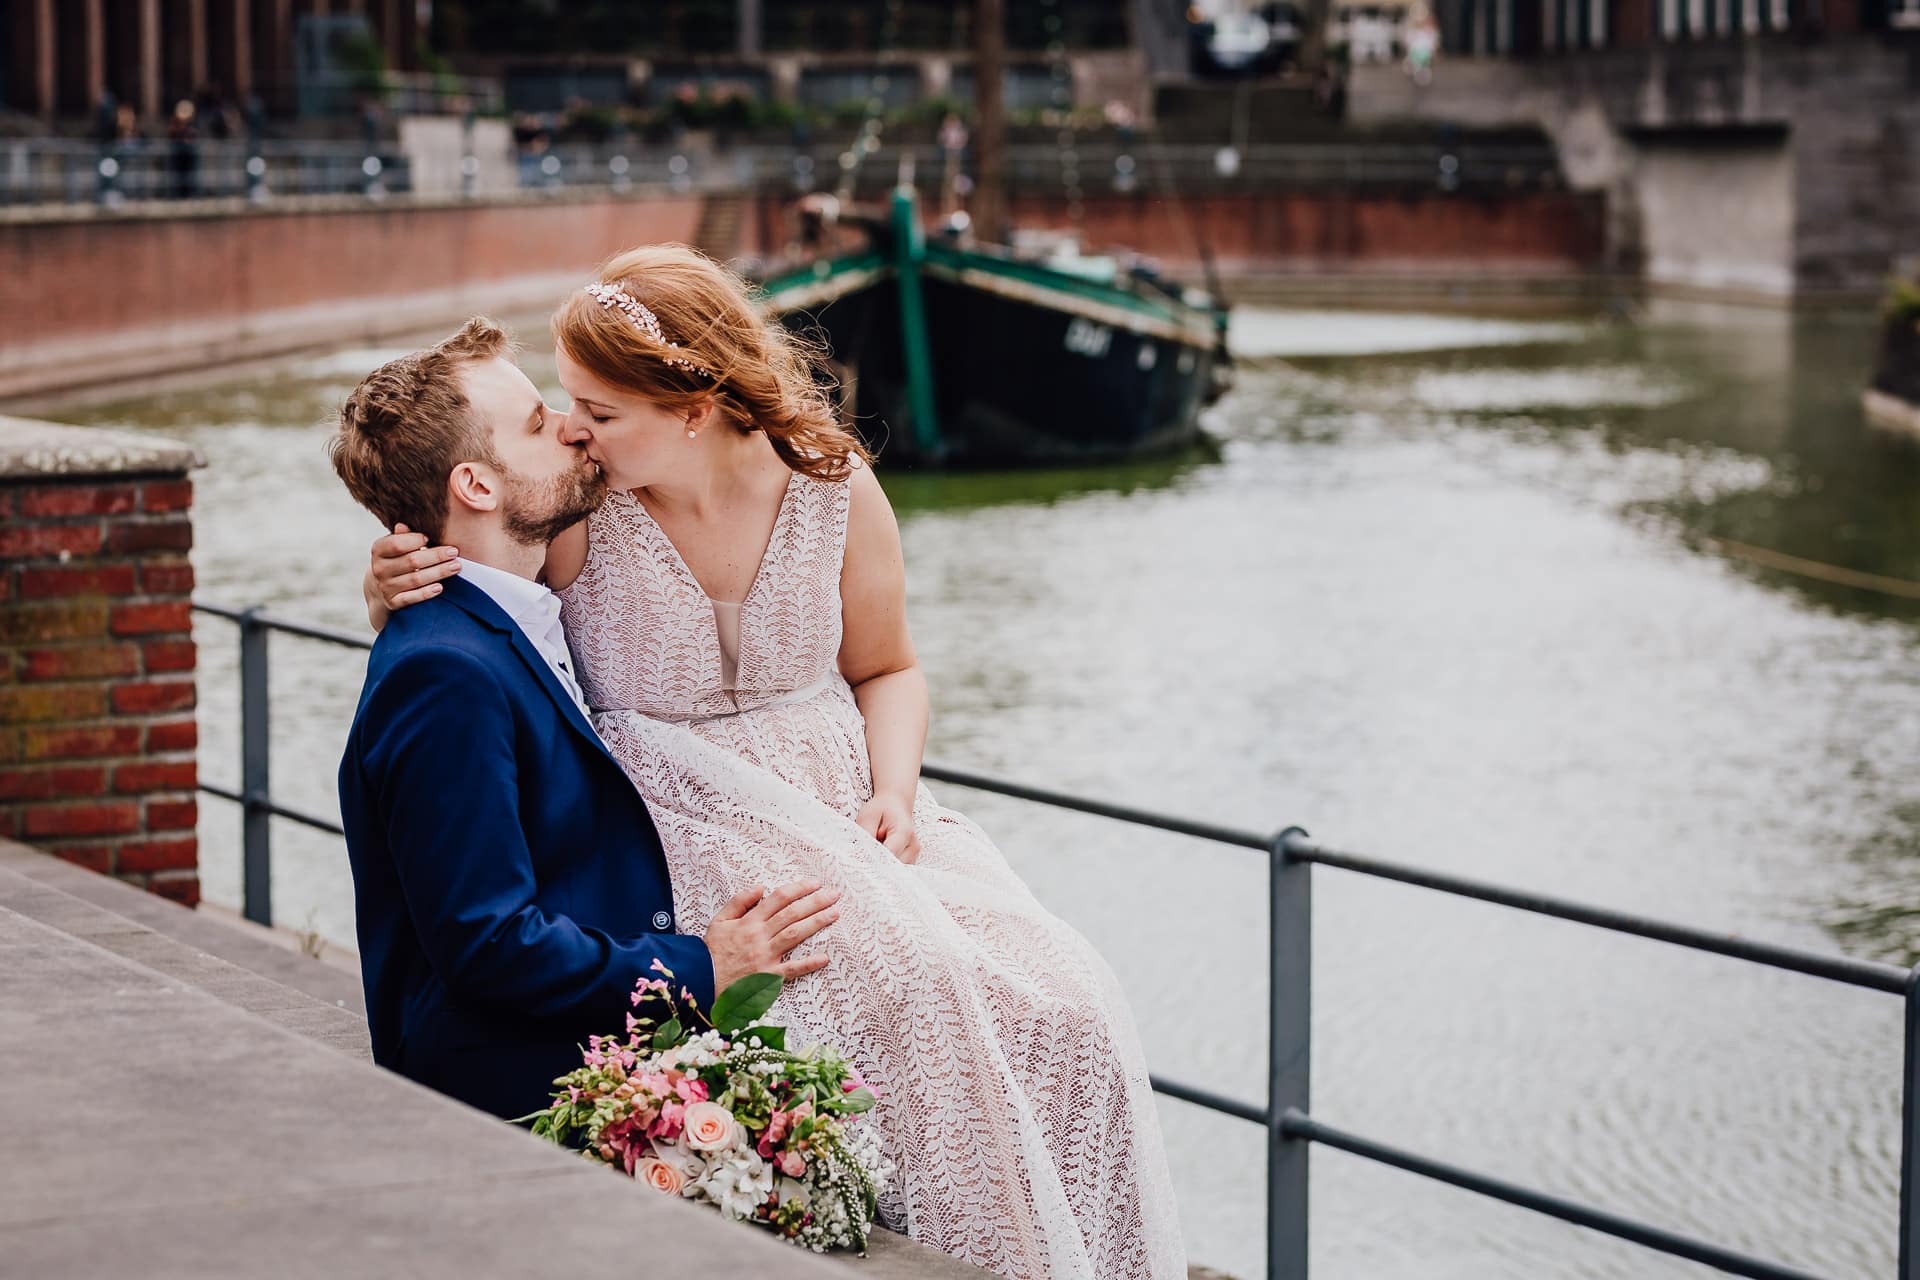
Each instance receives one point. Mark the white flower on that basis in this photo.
(738, 1182)
(689, 1163)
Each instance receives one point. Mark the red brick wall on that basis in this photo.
(1282, 231)
(214, 266)
(97, 731)
(85, 299)
(1322, 230)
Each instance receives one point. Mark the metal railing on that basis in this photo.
(1036, 169)
(1285, 1114)
(69, 171)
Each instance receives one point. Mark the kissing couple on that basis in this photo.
(662, 705)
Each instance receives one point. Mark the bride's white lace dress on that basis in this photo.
(1013, 1093)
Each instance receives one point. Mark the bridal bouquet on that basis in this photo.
(728, 1115)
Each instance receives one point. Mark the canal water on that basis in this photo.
(1448, 594)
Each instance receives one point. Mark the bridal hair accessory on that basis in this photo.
(618, 299)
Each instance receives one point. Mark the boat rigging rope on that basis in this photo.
(1163, 169)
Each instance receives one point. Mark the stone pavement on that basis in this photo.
(180, 1098)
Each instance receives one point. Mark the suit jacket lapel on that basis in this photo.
(484, 610)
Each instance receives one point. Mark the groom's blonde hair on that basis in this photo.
(409, 424)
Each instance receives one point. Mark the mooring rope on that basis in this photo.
(1905, 588)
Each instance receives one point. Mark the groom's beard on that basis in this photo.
(539, 512)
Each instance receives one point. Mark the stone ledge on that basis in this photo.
(237, 941)
(224, 1146)
(32, 448)
(312, 1159)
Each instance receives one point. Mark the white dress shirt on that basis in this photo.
(536, 611)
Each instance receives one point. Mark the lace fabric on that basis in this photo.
(1013, 1092)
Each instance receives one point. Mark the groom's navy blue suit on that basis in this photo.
(509, 883)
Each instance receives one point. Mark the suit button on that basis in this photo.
(661, 920)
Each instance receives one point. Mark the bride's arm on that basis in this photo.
(877, 658)
(566, 557)
(404, 570)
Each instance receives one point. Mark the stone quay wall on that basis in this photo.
(97, 729)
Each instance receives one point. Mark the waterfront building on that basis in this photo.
(1754, 150)
(813, 55)
(64, 55)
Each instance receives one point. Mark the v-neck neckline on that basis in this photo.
(759, 570)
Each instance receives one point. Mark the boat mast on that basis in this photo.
(989, 121)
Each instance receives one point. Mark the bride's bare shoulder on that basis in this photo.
(864, 491)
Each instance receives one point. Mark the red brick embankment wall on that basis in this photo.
(1307, 231)
(89, 298)
(97, 729)
(85, 297)
(1311, 230)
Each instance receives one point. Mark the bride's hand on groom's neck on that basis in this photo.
(404, 570)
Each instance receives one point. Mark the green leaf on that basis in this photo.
(771, 1037)
(668, 1035)
(744, 1001)
(857, 1101)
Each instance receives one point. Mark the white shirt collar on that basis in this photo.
(521, 599)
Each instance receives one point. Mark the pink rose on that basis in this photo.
(661, 1176)
(793, 1164)
(709, 1126)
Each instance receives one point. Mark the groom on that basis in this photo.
(509, 884)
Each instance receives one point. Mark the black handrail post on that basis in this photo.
(1910, 1137)
(256, 834)
(1289, 1053)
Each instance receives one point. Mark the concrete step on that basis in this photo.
(334, 980)
(40, 898)
(55, 914)
(155, 1130)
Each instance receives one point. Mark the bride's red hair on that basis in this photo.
(763, 376)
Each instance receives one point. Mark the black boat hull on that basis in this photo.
(1017, 382)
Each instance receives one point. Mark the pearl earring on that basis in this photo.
(691, 433)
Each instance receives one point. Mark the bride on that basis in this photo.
(736, 611)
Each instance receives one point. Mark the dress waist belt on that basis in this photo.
(789, 698)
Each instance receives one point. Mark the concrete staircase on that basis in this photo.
(722, 217)
(182, 1097)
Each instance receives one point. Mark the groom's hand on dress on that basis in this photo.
(755, 929)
